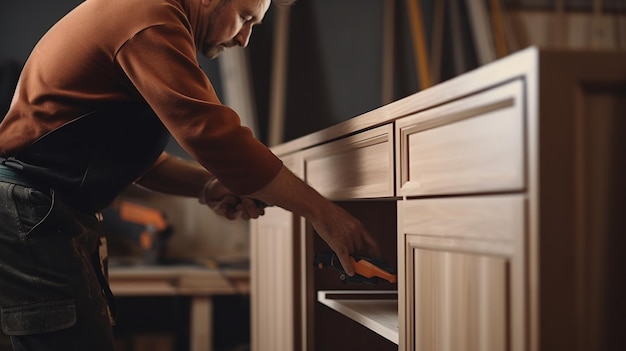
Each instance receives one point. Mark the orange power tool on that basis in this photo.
(368, 270)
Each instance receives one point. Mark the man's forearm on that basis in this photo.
(175, 176)
(291, 193)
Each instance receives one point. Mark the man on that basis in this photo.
(91, 114)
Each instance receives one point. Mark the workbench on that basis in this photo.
(197, 282)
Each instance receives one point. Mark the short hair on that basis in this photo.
(283, 2)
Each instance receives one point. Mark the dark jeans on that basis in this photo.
(50, 291)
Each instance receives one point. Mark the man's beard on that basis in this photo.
(211, 49)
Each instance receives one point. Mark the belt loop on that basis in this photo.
(11, 162)
(11, 172)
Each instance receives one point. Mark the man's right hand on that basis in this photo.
(346, 236)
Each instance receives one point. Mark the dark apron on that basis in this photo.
(93, 158)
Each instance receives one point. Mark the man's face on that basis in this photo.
(229, 23)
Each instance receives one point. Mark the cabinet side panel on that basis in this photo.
(605, 184)
(274, 321)
(581, 202)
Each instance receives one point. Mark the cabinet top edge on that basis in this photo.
(523, 64)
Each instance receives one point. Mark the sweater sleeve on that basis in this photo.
(160, 61)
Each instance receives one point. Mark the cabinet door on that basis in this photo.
(461, 285)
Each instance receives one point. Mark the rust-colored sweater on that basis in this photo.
(134, 50)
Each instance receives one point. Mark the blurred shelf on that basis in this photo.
(376, 310)
(177, 280)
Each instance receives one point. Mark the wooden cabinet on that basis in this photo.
(497, 194)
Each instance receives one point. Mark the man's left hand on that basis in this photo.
(225, 203)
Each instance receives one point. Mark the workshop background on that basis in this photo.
(308, 67)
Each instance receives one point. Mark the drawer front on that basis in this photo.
(294, 164)
(471, 145)
(359, 166)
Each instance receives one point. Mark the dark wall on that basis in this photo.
(23, 22)
(334, 64)
(335, 61)
(21, 25)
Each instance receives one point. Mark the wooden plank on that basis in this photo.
(437, 41)
(201, 324)
(459, 56)
(517, 31)
(419, 43)
(600, 31)
(279, 76)
(559, 25)
(388, 51)
(483, 37)
(238, 91)
(378, 313)
(497, 23)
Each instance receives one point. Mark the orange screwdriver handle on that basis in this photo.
(370, 270)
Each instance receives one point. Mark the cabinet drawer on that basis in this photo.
(467, 146)
(294, 164)
(359, 166)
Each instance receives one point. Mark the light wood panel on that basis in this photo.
(274, 291)
(462, 275)
(496, 218)
(471, 145)
(376, 310)
(359, 166)
(460, 301)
